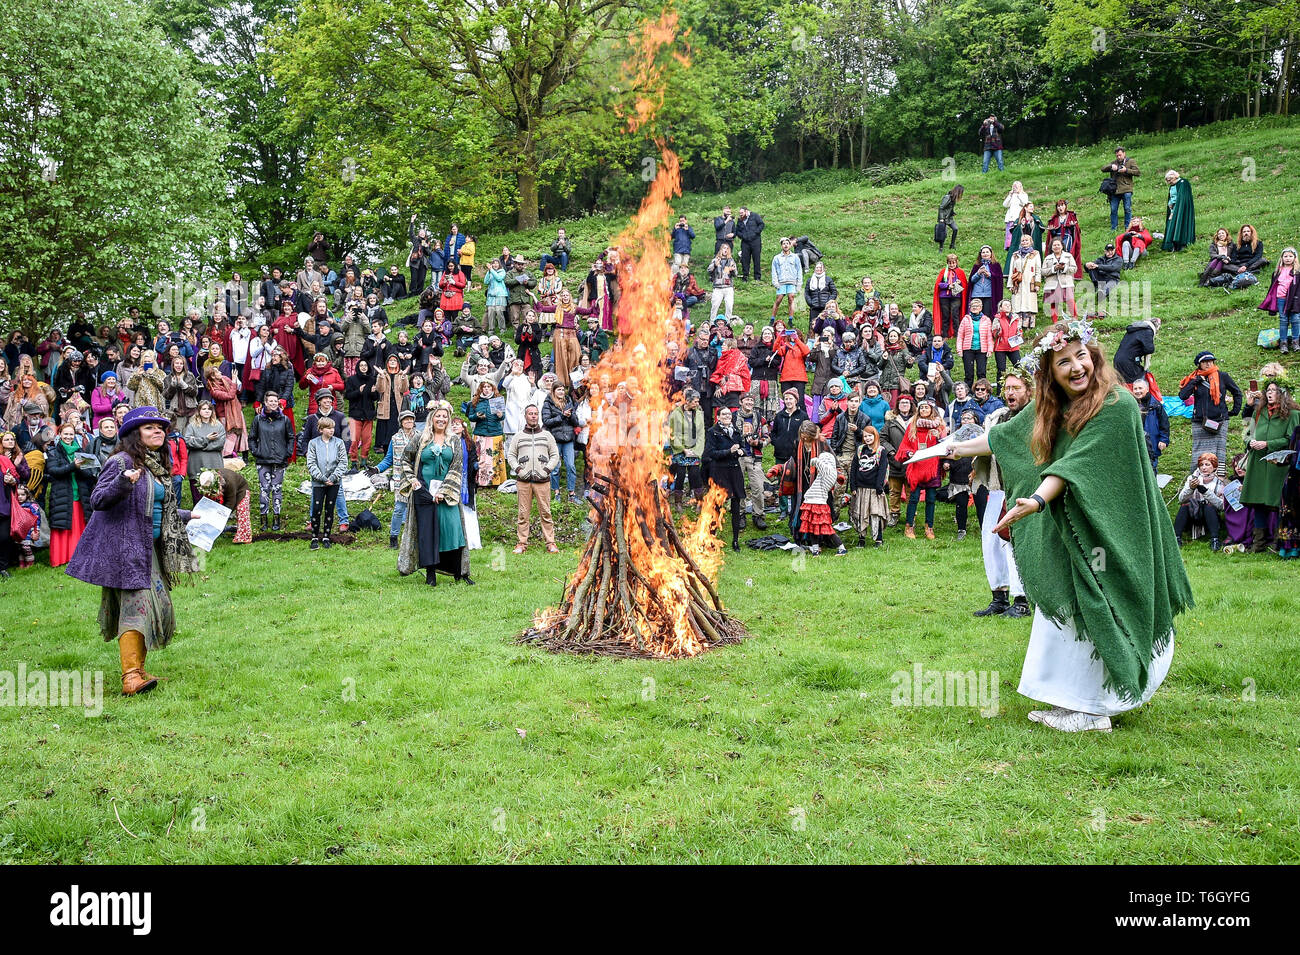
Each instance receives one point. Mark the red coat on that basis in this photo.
(282, 331)
(965, 291)
(926, 473)
(180, 455)
(453, 291)
(1140, 239)
(731, 374)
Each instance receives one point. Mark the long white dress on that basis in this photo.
(1023, 296)
(1062, 670)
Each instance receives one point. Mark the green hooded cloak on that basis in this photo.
(1180, 221)
(1104, 553)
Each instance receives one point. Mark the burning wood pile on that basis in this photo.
(643, 588)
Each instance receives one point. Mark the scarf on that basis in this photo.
(174, 551)
(1112, 507)
(1211, 375)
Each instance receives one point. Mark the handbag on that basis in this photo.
(1212, 426)
(21, 520)
(940, 232)
(473, 538)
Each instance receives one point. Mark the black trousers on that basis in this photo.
(974, 361)
(1209, 518)
(751, 250)
(981, 502)
(1001, 358)
(683, 473)
(418, 272)
(8, 546)
(949, 317)
(323, 500)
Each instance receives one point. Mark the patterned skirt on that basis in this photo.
(149, 611)
(491, 461)
(243, 521)
(815, 519)
(868, 504)
(1215, 441)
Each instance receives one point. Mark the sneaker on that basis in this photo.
(327, 543)
(552, 549)
(841, 552)
(815, 549)
(315, 543)
(961, 535)
(520, 548)
(1071, 721)
(343, 527)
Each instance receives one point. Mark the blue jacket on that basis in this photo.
(876, 409)
(1155, 422)
(451, 247)
(682, 240)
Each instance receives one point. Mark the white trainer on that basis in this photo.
(1071, 721)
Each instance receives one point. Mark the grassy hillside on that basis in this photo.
(318, 708)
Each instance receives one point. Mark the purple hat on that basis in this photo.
(143, 415)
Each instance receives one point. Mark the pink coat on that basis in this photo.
(966, 334)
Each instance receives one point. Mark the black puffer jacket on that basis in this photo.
(560, 422)
(785, 431)
(277, 378)
(58, 480)
(361, 402)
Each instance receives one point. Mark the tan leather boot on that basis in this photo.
(130, 647)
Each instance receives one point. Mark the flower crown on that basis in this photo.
(1076, 329)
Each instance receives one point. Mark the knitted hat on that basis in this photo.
(107, 375)
(142, 415)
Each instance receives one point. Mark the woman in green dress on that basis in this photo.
(1275, 416)
(1091, 536)
(437, 468)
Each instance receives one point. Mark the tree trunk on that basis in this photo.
(835, 153)
(863, 163)
(527, 178)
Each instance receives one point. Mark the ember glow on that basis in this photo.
(643, 587)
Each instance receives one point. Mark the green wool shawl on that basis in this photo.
(1180, 225)
(1104, 553)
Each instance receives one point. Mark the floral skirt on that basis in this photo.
(243, 521)
(149, 611)
(491, 462)
(815, 519)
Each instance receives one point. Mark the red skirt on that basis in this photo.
(815, 519)
(243, 521)
(63, 543)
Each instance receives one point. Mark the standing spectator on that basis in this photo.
(533, 458)
(723, 448)
(975, 341)
(1058, 279)
(1180, 215)
(1123, 170)
(819, 292)
(498, 297)
(724, 230)
(360, 390)
(180, 393)
(991, 136)
(487, 413)
(924, 431)
(986, 280)
(226, 398)
(68, 475)
(204, 438)
(1026, 278)
(452, 245)
(355, 329)
(749, 230)
(1155, 421)
(754, 431)
(327, 462)
(468, 250)
(722, 272)
(794, 353)
(686, 294)
(106, 394)
(14, 473)
(787, 277)
(1209, 389)
(395, 460)
(1007, 339)
(1014, 202)
(1064, 225)
(686, 436)
(950, 289)
(1275, 417)
(1028, 224)
(1283, 300)
(1104, 274)
(683, 236)
(868, 479)
(391, 386)
(438, 264)
(452, 289)
(896, 425)
(948, 216)
(559, 415)
(271, 441)
(559, 254)
(518, 285)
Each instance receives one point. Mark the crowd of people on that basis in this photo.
(312, 365)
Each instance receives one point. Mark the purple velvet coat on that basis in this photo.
(116, 548)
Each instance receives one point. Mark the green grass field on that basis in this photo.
(316, 707)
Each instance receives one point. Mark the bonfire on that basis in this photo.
(643, 587)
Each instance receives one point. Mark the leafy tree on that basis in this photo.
(110, 178)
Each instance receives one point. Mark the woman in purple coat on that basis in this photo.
(135, 545)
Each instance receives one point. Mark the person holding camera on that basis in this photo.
(1201, 502)
(683, 236)
(1123, 170)
(722, 272)
(1058, 279)
(991, 136)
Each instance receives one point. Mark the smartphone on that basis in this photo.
(1254, 385)
(790, 333)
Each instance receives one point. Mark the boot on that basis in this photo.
(1282, 346)
(735, 542)
(909, 532)
(677, 500)
(1215, 545)
(130, 647)
(759, 523)
(997, 605)
(1019, 608)
(1295, 344)
(275, 523)
(392, 541)
(266, 523)
(929, 532)
(743, 523)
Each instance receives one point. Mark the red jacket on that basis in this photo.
(1006, 327)
(965, 289)
(313, 382)
(180, 455)
(731, 374)
(793, 352)
(1141, 239)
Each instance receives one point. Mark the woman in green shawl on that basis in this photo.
(1091, 536)
(1275, 417)
(1180, 215)
(1028, 223)
(434, 537)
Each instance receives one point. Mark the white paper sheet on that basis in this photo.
(207, 521)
